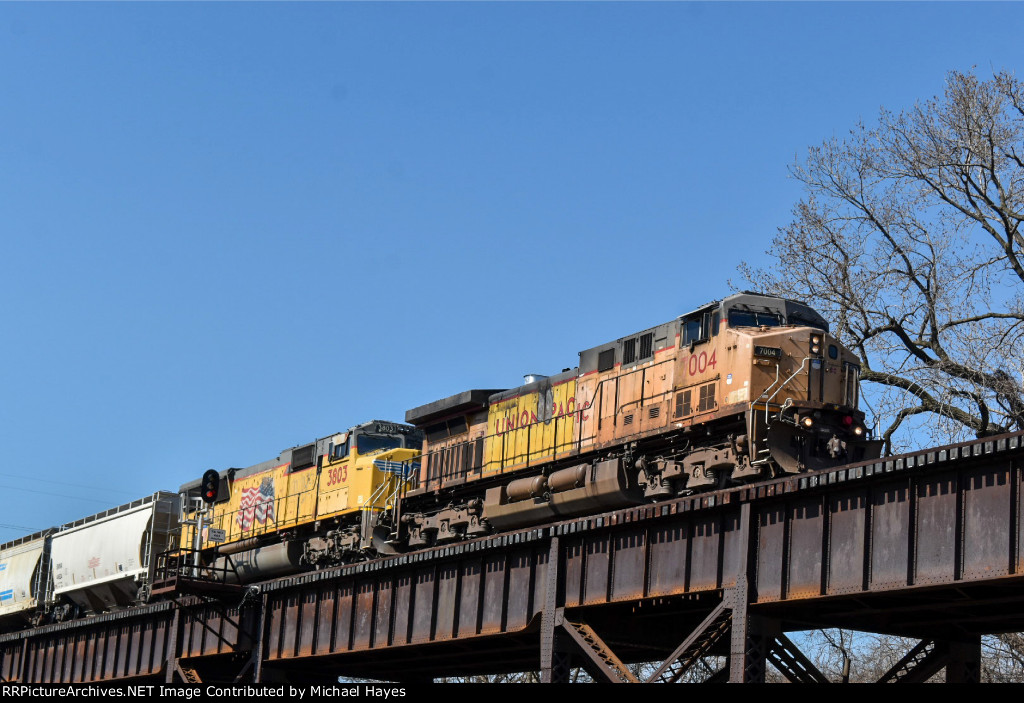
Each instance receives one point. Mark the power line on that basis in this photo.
(56, 495)
(18, 527)
(63, 483)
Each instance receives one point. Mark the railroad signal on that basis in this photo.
(210, 487)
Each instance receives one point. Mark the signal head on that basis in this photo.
(210, 487)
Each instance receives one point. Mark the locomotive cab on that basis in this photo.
(757, 387)
(802, 389)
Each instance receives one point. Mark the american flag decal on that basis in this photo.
(257, 505)
(401, 468)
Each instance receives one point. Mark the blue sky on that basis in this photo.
(230, 228)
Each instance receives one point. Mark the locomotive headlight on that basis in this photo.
(808, 421)
(816, 344)
(858, 430)
(815, 339)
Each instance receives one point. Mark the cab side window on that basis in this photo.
(691, 332)
(338, 451)
(699, 328)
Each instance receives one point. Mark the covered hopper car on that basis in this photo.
(100, 563)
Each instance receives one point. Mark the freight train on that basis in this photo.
(741, 389)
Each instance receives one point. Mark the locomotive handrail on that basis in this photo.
(509, 457)
(640, 401)
(228, 520)
(778, 372)
(174, 571)
(380, 490)
(781, 386)
(767, 402)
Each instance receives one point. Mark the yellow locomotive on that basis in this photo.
(739, 390)
(321, 503)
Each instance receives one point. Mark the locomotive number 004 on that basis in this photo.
(699, 363)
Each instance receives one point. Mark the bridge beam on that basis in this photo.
(791, 662)
(697, 644)
(603, 662)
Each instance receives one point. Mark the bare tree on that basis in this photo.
(909, 240)
(1002, 658)
(848, 656)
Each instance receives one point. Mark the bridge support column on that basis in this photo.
(752, 639)
(751, 635)
(23, 664)
(964, 664)
(557, 665)
(171, 665)
(555, 658)
(259, 638)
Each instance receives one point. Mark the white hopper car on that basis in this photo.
(99, 563)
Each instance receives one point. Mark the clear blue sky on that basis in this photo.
(231, 228)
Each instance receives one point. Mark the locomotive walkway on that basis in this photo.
(926, 545)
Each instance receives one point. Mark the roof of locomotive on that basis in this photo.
(793, 312)
(478, 399)
(459, 403)
(542, 383)
(285, 457)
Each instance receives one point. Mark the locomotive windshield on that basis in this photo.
(747, 318)
(367, 443)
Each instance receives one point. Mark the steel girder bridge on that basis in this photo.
(926, 545)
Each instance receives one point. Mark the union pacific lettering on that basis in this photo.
(515, 420)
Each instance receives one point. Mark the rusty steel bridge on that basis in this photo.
(926, 545)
